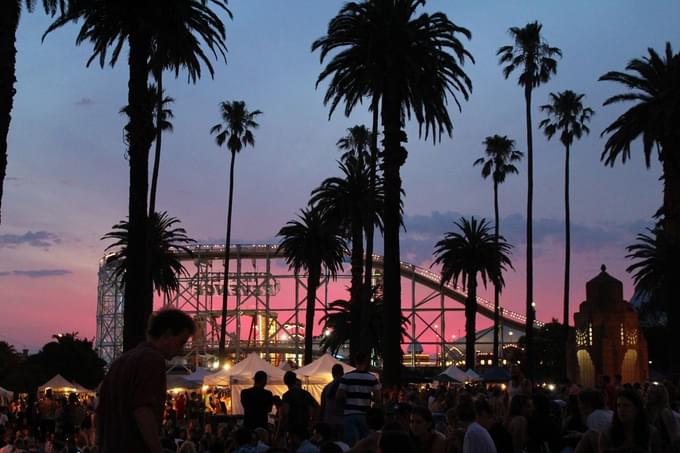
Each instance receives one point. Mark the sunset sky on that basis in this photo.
(67, 178)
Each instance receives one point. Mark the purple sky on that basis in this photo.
(67, 176)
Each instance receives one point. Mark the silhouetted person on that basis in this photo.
(257, 403)
(132, 395)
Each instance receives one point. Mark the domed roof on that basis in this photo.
(417, 347)
(604, 292)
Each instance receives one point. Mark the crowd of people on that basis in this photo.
(355, 414)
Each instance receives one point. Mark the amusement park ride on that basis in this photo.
(266, 304)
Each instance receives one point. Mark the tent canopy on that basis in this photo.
(496, 374)
(243, 372)
(320, 370)
(472, 375)
(198, 375)
(174, 381)
(453, 373)
(6, 395)
(60, 384)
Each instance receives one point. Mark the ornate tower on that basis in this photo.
(608, 340)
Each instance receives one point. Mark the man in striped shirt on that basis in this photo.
(358, 388)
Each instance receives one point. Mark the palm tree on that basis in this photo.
(567, 115)
(308, 244)
(162, 115)
(10, 13)
(500, 154)
(651, 260)
(357, 141)
(410, 65)
(351, 203)
(475, 250)
(237, 132)
(165, 239)
(535, 60)
(338, 324)
(654, 86)
(140, 23)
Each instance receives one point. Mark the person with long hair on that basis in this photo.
(517, 422)
(423, 433)
(630, 431)
(661, 417)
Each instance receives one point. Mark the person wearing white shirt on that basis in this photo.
(477, 439)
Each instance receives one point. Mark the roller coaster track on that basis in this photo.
(420, 275)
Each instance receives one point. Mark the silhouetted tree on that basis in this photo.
(653, 84)
(140, 24)
(236, 130)
(465, 254)
(535, 61)
(310, 243)
(409, 64)
(500, 154)
(10, 13)
(350, 202)
(568, 116)
(164, 241)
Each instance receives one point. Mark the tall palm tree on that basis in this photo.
(138, 23)
(500, 154)
(653, 84)
(363, 143)
(567, 115)
(350, 201)
(535, 61)
(236, 131)
(165, 238)
(473, 251)
(410, 65)
(308, 244)
(10, 14)
(162, 115)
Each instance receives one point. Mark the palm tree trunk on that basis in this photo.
(312, 285)
(394, 158)
(9, 21)
(227, 249)
(470, 321)
(159, 133)
(671, 227)
(497, 290)
(567, 241)
(138, 303)
(356, 289)
(367, 289)
(530, 314)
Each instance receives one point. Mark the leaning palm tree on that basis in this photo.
(112, 24)
(535, 61)
(162, 115)
(654, 86)
(236, 131)
(500, 154)
(651, 261)
(567, 115)
(10, 13)
(409, 64)
(350, 201)
(465, 254)
(310, 243)
(165, 239)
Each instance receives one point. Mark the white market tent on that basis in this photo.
(453, 373)
(319, 371)
(240, 376)
(58, 383)
(317, 374)
(5, 395)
